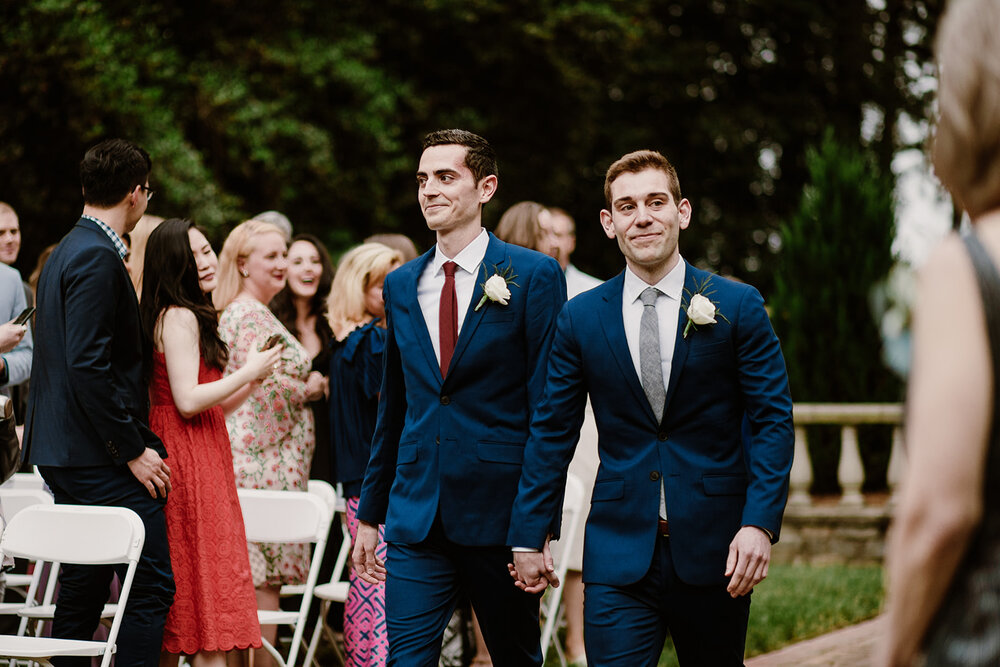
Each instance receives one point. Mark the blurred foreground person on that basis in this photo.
(944, 555)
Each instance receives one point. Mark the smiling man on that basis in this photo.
(695, 425)
(464, 370)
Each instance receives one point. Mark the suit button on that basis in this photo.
(654, 476)
(437, 440)
(445, 400)
(661, 436)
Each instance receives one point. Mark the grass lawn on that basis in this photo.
(797, 602)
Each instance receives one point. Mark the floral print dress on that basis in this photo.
(271, 433)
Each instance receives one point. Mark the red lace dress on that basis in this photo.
(215, 608)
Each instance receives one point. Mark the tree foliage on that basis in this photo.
(835, 248)
(317, 108)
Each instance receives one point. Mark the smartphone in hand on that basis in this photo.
(271, 342)
(25, 315)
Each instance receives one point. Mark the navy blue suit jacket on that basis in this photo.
(88, 404)
(715, 479)
(456, 445)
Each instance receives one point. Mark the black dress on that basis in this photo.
(966, 630)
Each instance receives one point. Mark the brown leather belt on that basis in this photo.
(663, 528)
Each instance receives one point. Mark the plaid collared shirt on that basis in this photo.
(112, 234)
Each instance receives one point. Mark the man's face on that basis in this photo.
(447, 191)
(10, 237)
(646, 221)
(561, 237)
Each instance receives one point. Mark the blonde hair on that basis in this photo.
(359, 268)
(239, 244)
(966, 148)
(519, 225)
(137, 248)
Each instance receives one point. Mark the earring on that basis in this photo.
(244, 273)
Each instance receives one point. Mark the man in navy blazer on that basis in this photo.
(694, 418)
(86, 425)
(470, 324)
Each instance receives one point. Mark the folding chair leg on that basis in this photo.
(321, 629)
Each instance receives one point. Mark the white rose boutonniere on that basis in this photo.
(496, 288)
(700, 309)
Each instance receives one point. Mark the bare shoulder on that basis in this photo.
(178, 317)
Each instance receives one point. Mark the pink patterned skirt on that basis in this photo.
(365, 638)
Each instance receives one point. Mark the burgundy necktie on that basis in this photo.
(448, 317)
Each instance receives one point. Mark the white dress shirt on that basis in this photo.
(668, 309)
(469, 260)
(578, 282)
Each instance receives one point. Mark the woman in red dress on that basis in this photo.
(215, 609)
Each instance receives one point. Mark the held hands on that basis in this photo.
(533, 571)
(263, 362)
(367, 565)
(151, 472)
(749, 557)
(10, 335)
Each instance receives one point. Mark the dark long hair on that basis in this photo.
(170, 278)
(283, 304)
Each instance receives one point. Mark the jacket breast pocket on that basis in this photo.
(708, 349)
(608, 489)
(496, 315)
(407, 453)
(724, 485)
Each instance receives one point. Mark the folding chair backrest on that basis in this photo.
(324, 492)
(79, 534)
(24, 480)
(74, 534)
(13, 500)
(571, 523)
(283, 516)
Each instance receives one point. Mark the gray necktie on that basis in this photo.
(650, 365)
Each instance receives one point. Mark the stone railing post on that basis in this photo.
(801, 475)
(850, 472)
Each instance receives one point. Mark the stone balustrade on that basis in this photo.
(847, 531)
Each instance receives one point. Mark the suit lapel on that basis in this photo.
(496, 255)
(692, 277)
(614, 331)
(415, 314)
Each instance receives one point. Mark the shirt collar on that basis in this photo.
(671, 284)
(112, 234)
(470, 257)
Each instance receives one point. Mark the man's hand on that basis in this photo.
(749, 557)
(367, 565)
(533, 571)
(151, 472)
(10, 335)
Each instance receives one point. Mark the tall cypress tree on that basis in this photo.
(835, 248)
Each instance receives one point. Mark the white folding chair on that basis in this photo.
(326, 493)
(287, 517)
(333, 591)
(13, 500)
(572, 520)
(73, 534)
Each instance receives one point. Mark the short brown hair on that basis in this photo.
(966, 148)
(636, 161)
(479, 155)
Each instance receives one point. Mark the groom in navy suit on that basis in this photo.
(470, 324)
(694, 417)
